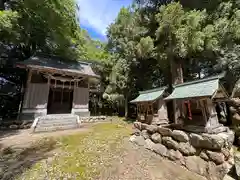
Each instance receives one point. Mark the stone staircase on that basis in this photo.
(55, 122)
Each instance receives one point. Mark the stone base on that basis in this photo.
(83, 114)
(201, 129)
(159, 122)
(209, 155)
(31, 114)
(55, 122)
(92, 119)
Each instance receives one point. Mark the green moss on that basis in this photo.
(83, 155)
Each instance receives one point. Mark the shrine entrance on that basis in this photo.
(60, 101)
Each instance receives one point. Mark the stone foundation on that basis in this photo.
(92, 119)
(209, 155)
(31, 114)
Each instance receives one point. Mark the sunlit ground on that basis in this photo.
(82, 155)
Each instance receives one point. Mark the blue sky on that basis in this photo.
(96, 15)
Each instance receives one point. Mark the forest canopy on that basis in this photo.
(150, 44)
(156, 43)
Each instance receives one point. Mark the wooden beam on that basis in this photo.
(49, 81)
(60, 86)
(28, 82)
(62, 96)
(29, 76)
(203, 110)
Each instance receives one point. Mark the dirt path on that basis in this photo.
(24, 138)
(137, 163)
(133, 163)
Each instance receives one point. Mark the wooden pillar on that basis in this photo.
(203, 110)
(28, 82)
(212, 119)
(23, 90)
(137, 110)
(29, 76)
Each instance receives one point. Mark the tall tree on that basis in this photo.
(180, 40)
(129, 46)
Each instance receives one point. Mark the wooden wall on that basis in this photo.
(212, 119)
(80, 98)
(36, 96)
(162, 110)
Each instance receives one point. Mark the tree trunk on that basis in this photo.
(126, 106)
(177, 71)
(177, 78)
(2, 5)
(176, 75)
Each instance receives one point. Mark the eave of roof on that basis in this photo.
(200, 88)
(219, 76)
(55, 63)
(149, 95)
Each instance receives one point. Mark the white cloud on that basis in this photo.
(98, 14)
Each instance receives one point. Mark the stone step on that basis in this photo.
(55, 128)
(55, 122)
(57, 116)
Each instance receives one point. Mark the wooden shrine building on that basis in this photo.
(55, 86)
(195, 104)
(151, 107)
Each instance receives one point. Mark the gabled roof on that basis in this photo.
(206, 87)
(149, 95)
(51, 62)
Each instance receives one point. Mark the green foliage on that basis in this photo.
(8, 24)
(180, 31)
(145, 48)
(230, 60)
(145, 40)
(48, 26)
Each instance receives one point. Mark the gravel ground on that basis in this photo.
(124, 161)
(24, 138)
(137, 163)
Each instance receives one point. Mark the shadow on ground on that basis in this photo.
(14, 162)
(129, 120)
(6, 133)
(232, 173)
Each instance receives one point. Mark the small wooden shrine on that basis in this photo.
(195, 104)
(151, 107)
(55, 86)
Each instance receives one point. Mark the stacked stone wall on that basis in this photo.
(209, 155)
(235, 112)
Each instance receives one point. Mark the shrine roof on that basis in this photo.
(206, 87)
(149, 95)
(55, 63)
